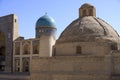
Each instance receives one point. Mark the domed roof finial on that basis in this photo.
(87, 10)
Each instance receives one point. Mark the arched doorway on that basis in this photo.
(2, 51)
(26, 62)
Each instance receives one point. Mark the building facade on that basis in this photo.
(88, 49)
(40, 46)
(8, 33)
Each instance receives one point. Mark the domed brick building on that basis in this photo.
(88, 49)
(89, 34)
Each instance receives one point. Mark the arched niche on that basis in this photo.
(2, 51)
(26, 49)
(26, 64)
(36, 49)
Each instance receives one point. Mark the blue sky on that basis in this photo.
(63, 11)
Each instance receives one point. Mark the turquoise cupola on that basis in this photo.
(45, 21)
(45, 26)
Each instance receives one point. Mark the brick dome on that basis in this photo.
(87, 28)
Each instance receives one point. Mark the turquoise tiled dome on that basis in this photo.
(45, 21)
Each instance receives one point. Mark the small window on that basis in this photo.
(15, 20)
(84, 12)
(78, 50)
(91, 12)
(114, 47)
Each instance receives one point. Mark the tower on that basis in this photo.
(8, 33)
(46, 31)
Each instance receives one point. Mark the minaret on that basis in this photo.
(46, 31)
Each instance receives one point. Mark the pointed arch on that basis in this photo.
(36, 49)
(26, 64)
(17, 50)
(26, 49)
